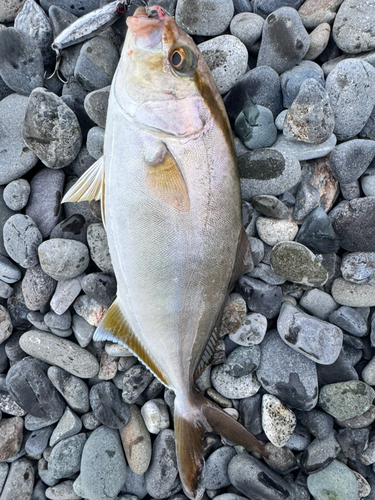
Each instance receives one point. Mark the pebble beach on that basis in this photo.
(295, 360)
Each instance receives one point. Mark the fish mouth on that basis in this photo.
(146, 20)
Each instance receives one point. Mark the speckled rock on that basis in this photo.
(358, 267)
(352, 27)
(292, 80)
(278, 421)
(252, 331)
(9, 272)
(247, 27)
(96, 105)
(349, 160)
(350, 320)
(346, 400)
(20, 481)
(89, 309)
(317, 232)
(315, 12)
(37, 288)
(319, 39)
(133, 382)
(22, 239)
(6, 326)
(107, 405)
(350, 294)
(335, 481)
(99, 251)
(270, 206)
(10, 437)
(155, 415)
(9, 10)
(206, 18)
(136, 442)
(16, 194)
(216, 468)
(65, 457)
(74, 390)
(62, 491)
(63, 259)
(68, 426)
(101, 287)
(273, 231)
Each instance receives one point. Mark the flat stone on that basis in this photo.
(278, 421)
(65, 294)
(346, 400)
(99, 251)
(56, 141)
(207, 18)
(155, 415)
(316, 339)
(21, 240)
(315, 12)
(247, 27)
(272, 231)
(68, 426)
(216, 468)
(255, 127)
(336, 480)
(267, 171)
(107, 406)
(226, 56)
(318, 303)
(260, 297)
(352, 27)
(10, 437)
(294, 262)
(21, 61)
(349, 86)
(319, 39)
(63, 259)
(65, 457)
(103, 465)
(350, 320)
(252, 331)
(96, 105)
(74, 390)
(303, 150)
(136, 441)
(270, 206)
(350, 159)
(20, 481)
(16, 194)
(289, 376)
(284, 40)
(353, 295)
(37, 288)
(60, 352)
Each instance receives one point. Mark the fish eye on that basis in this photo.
(177, 59)
(183, 61)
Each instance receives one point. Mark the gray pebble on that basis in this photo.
(270, 206)
(231, 386)
(319, 453)
(69, 425)
(136, 441)
(59, 321)
(65, 294)
(368, 374)
(216, 468)
(9, 10)
(37, 288)
(307, 198)
(280, 119)
(303, 150)
(21, 61)
(103, 465)
(260, 297)
(95, 142)
(101, 287)
(20, 481)
(349, 86)
(37, 442)
(350, 320)
(353, 442)
(96, 105)
(74, 390)
(79, 8)
(96, 63)
(292, 80)
(63, 259)
(89, 421)
(336, 480)
(107, 405)
(252, 331)
(317, 233)
(21, 240)
(368, 182)
(16, 194)
(89, 309)
(206, 18)
(318, 303)
(346, 400)
(250, 413)
(284, 40)
(314, 13)
(280, 460)
(9, 272)
(56, 141)
(351, 190)
(319, 423)
(65, 458)
(5, 290)
(278, 421)
(226, 56)
(60, 352)
(71, 228)
(247, 27)
(255, 127)
(133, 382)
(316, 339)
(352, 27)
(155, 415)
(319, 39)
(349, 160)
(62, 491)
(15, 157)
(6, 326)
(82, 330)
(99, 251)
(10, 437)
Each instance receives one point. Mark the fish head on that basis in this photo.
(162, 81)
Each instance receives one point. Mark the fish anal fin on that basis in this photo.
(167, 183)
(89, 186)
(116, 328)
(244, 260)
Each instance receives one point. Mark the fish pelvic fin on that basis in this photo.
(191, 420)
(115, 327)
(89, 185)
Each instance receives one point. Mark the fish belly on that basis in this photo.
(172, 267)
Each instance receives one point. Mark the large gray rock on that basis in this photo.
(63, 259)
(349, 160)
(352, 29)
(20, 481)
(9, 9)
(204, 17)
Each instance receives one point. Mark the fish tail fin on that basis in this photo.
(191, 420)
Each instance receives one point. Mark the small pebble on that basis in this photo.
(62, 491)
(319, 39)
(65, 457)
(89, 309)
(255, 127)
(136, 442)
(273, 231)
(252, 331)
(247, 27)
(350, 320)
(207, 19)
(22, 239)
(155, 415)
(37, 288)
(336, 480)
(350, 294)
(63, 259)
(303, 150)
(260, 297)
(98, 245)
(65, 293)
(318, 303)
(349, 160)
(354, 36)
(278, 421)
(96, 105)
(16, 194)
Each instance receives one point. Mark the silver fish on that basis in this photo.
(171, 205)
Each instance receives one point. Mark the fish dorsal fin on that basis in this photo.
(115, 327)
(89, 185)
(244, 259)
(167, 183)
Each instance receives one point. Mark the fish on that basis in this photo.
(170, 196)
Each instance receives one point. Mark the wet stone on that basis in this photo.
(292, 80)
(278, 421)
(336, 480)
(57, 140)
(134, 381)
(290, 376)
(317, 233)
(226, 56)
(216, 468)
(207, 19)
(65, 457)
(255, 127)
(247, 27)
(103, 466)
(60, 352)
(294, 262)
(349, 160)
(16, 194)
(107, 405)
(65, 293)
(260, 297)
(346, 400)
(63, 259)
(21, 240)
(10, 437)
(353, 295)
(37, 288)
(350, 320)
(20, 481)
(284, 40)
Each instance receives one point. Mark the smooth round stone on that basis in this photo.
(96, 63)
(350, 88)
(319, 423)
(136, 442)
(256, 480)
(353, 295)
(82, 330)
(65, 457)
(133, 382)
(278, 421)
(99, 251)
(247, 27)
(255, 127)
(74, 390)
(6, 326)
(284, 40)
(288, 375)
(368, 374)
(267, 172)
(319, 453)
(303, 150)
(5, 290)
(318, 303)
(37, 288)
(292, 80)
(270, 206)
(259, 86)
(101, 287)
(317, 233)
(349, 160)
(273, 231)
(294, 262)
(319, 39)
(315, 12)
(316, 339)
(368, 182)
(69, 425)
(60, 352)
(9, 272)
(59, 321)
(21, 61)
(161, 478)
(252, 331)
(226, 56)
(155, 415)
(56, 141)
(96, 105)
(242, 6)
(281, 460)
(280, 119)
(335, 481)
(16, 194)
(107, 405)
(20, 481)
(231, 386)
(108, 366)
(9, 10)
(352, 27)
(358, 267)
(346, 400)
(350, 320)
(71, 228)
(89, 309)
(10, 437)
(95, 142)
(65, 294)
(310, 117)
(260, 297)
(22, 239)
(216, 468)
(207, 18)
(63, 259)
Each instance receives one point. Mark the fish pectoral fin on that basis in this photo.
(167, 183)
(89, 185)
(116, 328)
(191, 419)
(244, 259)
